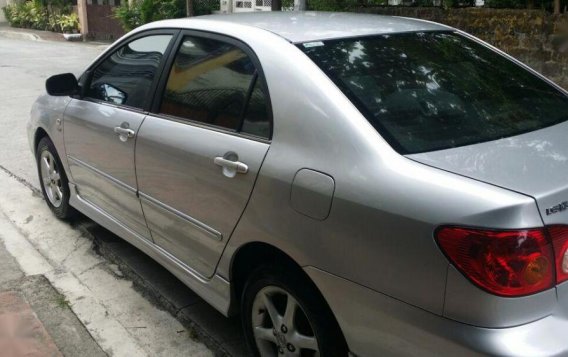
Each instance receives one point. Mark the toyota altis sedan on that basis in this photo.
(346, 183)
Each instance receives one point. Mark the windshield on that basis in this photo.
(437, 90)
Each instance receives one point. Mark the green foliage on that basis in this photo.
(39, 15)
(28, 14)
(332, 5)
(353, 5)
(205, 7)
(287, 4)
(145, 11)
(68, 23)
(342, 5)
(128, 16)
(506, 4)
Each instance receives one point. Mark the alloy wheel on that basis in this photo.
(51, 178)
(280, 325)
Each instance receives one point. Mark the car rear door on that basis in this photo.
(100, 129)
(199, 153)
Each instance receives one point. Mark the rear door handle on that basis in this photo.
(231, 168)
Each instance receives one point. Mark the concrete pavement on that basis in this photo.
(122, 321)
(35, 320)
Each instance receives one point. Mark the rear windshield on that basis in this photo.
(437, 90)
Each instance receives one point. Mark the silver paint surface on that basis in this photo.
(175, 166)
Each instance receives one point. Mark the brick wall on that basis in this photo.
(535, 37)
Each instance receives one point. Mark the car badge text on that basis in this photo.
(558, 208)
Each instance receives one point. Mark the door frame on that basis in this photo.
(85, 78)
(168, 63)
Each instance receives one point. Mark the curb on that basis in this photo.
(223, 336)
(23, 35)
(19, 35)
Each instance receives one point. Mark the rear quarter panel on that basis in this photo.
(379, 232)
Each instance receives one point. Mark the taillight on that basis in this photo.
(503, 262)
(559, 236)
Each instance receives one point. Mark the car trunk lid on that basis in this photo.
(535, 164)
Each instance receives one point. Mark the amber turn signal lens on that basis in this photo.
(536, 270)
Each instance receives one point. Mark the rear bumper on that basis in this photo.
(375, 324)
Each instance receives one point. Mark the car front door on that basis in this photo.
(100, 129)
(199, 152)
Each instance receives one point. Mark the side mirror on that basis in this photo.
(62, 85)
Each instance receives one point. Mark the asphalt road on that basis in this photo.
(24, 67)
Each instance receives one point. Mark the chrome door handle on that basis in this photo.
(124, 133)
(230, 168)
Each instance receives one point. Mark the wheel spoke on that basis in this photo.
(263, 333)
(58, 192)
(305, 342)
(46, 168)
(50, 178)
(272, 312)
(290, 313)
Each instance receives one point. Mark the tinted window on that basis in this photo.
(126, 76)
(431, 91)
(209, 82)
(256, 120)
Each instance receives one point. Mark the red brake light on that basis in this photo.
(506, 263)
(559, 236)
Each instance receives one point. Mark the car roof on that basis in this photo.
(296, 26)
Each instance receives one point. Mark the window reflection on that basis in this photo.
(209, 83)
(430, 91)
(126, 76)
(256, 120)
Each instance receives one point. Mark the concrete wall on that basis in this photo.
(535, 37)
(2, 4)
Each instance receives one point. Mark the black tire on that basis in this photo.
(330, 340)
(62, 210)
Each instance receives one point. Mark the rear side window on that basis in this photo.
(212, 82)
(126, 76)
(437, 90)
(255, 121)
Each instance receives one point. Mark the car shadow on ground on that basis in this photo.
(224, 336)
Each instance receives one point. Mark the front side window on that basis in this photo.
(437, 90)
(211, 82)
(125, 77)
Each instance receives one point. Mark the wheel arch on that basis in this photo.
(248, 258)
(255, 254)
(39, 134)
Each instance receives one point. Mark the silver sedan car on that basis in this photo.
(347, 183)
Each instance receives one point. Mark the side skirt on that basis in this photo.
(216, 291)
